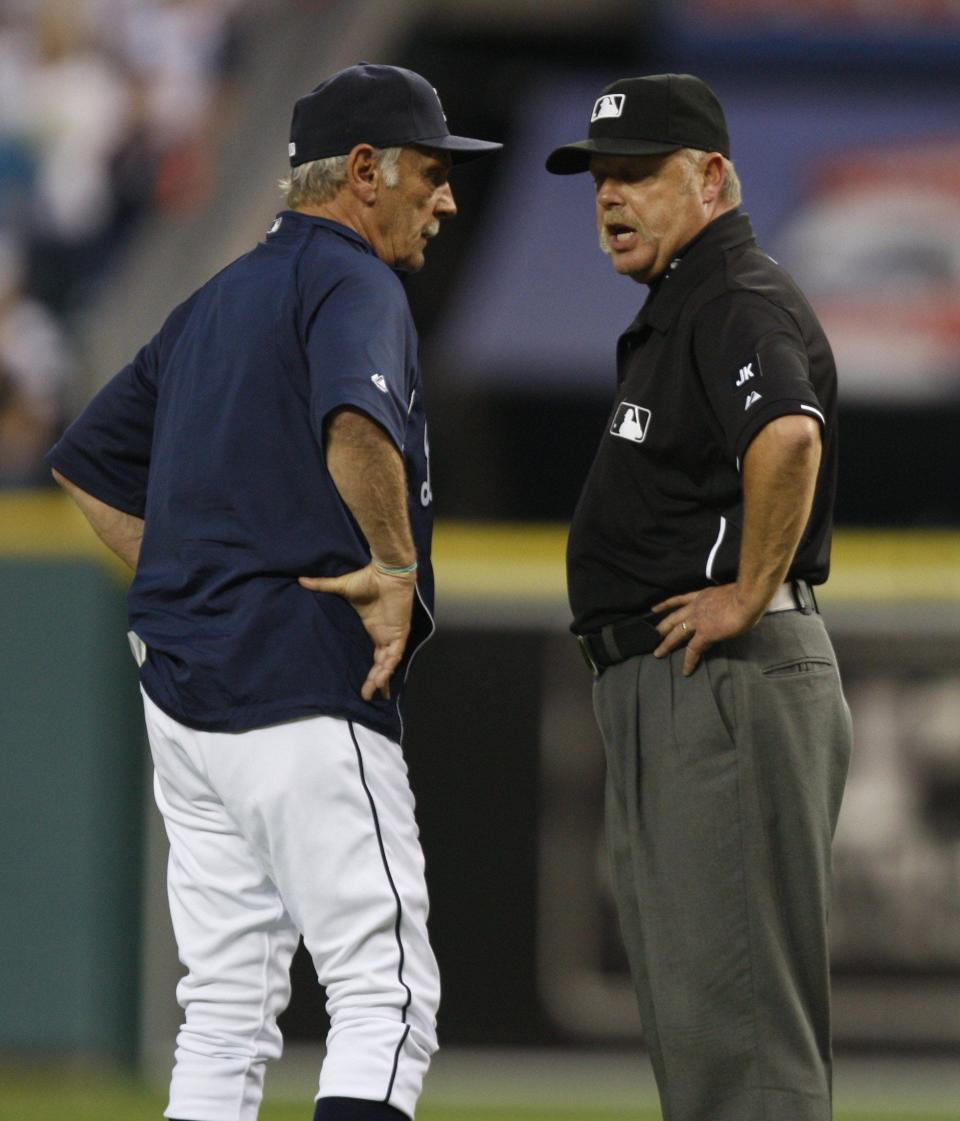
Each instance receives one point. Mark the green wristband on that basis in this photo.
(395, 570)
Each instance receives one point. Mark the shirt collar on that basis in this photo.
(690, 267)
(297, 217)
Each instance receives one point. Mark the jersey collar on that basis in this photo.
(690, 268)
(297, 217)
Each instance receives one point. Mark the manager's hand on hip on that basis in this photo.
(703, 618)
(384, 603)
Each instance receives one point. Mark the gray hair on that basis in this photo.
(318, 181)
(731, 192)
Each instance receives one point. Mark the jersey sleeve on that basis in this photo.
(753, 365)
(359, 337)
(106, 450)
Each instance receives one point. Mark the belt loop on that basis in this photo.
(609, 641)
(583, 641)
(803, 594)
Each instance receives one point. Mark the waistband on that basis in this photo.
(618, 641)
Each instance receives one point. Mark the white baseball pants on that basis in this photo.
(306, 827)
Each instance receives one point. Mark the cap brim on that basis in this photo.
(574, 158)
(461, 148)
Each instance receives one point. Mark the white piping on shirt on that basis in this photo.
(716, 546)
(723, 520)
(816, 412)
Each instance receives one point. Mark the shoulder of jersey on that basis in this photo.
(355, 260)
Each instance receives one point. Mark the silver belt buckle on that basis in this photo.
(587, 656)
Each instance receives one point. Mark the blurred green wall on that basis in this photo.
(72, 803)
(72, 791)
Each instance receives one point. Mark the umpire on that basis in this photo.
(263, 465)
(702, 527)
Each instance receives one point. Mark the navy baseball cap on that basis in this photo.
(648, 116)
(385, 106)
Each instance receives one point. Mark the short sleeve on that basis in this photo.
(360, 339)
(753, 365)
(106, 450)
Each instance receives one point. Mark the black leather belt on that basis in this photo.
(618, 641)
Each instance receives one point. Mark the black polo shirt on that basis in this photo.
(724, 343)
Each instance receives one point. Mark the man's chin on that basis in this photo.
(413, 263)
(624, 267)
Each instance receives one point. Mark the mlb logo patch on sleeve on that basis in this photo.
(631, 422)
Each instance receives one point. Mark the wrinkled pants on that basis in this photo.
(723, 791)
(304, 827)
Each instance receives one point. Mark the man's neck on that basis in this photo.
(654, 282)
(335, 211)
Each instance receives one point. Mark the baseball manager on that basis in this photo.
(263, 465)
(703, 525)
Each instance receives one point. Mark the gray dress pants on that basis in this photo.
(723, 791)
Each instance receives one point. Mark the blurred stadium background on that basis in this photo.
(140, 144)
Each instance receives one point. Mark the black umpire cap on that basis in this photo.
(648, 116)
(385, 106)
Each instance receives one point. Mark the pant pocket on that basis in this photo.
(799, 666)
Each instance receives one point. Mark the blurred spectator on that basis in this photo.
(108, 108)
(35, 367)
(78, 113)
(16, 155)
(181, 54)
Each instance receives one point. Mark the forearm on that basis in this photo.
(779, 478)
(369, 474)
(121, 533)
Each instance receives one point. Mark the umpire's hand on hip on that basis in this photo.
(384, 602)
(700, 619)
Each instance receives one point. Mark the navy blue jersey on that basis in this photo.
(214, 435)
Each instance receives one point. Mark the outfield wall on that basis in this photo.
(71, 805)
(507, 770)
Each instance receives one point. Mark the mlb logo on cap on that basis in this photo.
(647, 117)
(609, 105)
